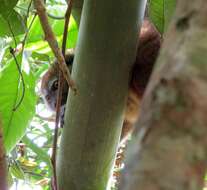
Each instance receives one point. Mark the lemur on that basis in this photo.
(149, 42)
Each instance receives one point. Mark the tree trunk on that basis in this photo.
(169, 149)
(105, 53)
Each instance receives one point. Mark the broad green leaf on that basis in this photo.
(15, 121)
(160, 12)
(12, 25)
(4, 27)
(7, 6)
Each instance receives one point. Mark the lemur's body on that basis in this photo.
(148, 48)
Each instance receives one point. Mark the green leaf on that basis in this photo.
(10, 179)
(17, 171)
(39, 56)
(12, 24)
(160, 12)
(35, 38)
(15, 122)
(3, 46)
(7, 6)
(41, 69)
(42, 155)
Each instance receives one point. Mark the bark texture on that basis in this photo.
(169, 148)
(105, 52)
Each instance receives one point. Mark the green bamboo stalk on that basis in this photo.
(105, 53)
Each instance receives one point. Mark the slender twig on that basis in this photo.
(67, 19)
(49, 36)
(28, 8)
(12, 51)
(48, 14)
(22, 79)
(30, 25)
(26, 34)
(60, 89)
(24, 9)
(55, 17)
(11, 30)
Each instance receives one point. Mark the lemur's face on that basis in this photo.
(49, 89)
(49, 85)
(50, 94)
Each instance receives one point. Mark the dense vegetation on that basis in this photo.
(28, 127)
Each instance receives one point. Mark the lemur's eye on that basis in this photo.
(47, 97)
(55, 85)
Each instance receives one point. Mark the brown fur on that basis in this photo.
(148, 48)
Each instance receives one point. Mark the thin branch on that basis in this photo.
(49, 36)
(59, 97)
(55, 17)
(22, 79)
(67, 19)
(28, 8)
(26, 34)
(30, 25)
(13, 36)
(48, 14)
(12, 51)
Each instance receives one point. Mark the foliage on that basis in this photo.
(13, 21)
(27, 135)
(6, 7)
(160, 12)
(20, 30)
(16, 121)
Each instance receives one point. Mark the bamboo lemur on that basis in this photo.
(148, 48)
